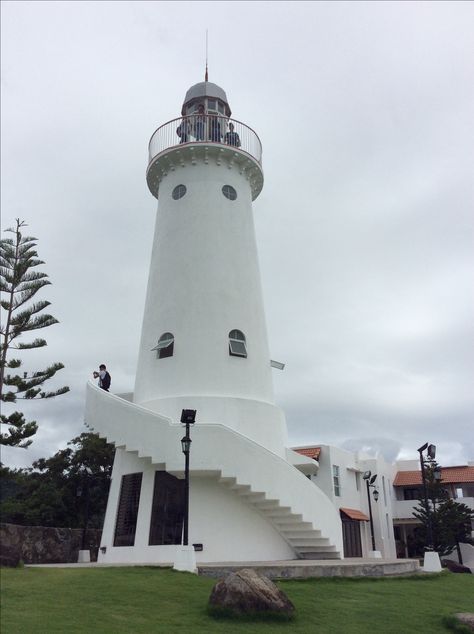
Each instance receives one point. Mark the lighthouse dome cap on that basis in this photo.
(205, 89)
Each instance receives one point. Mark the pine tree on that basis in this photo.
(19, 283)
(450, 521)
(454, 526)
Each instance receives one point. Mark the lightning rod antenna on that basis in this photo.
(206, 76)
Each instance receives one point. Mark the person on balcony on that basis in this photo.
(215, 130)
(199, 124)
(104, 377)
(231, 137)
(183, 131)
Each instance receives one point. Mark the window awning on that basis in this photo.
(310, 452)
(354, 514)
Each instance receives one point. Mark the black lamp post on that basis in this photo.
(369, 481)
(188, 416)
(431, 453)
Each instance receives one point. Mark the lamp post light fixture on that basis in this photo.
(188, 417)
(431, 454)
(431, 559)
(369, 481)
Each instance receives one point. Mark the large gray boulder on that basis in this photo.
(466, 618)
(247, 593)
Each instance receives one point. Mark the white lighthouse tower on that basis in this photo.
(204, 293)
(204, 347)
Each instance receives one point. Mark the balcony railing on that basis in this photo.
(205, 128)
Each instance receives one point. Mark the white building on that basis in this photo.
(340, 474)
(204, 347)
(458, 481)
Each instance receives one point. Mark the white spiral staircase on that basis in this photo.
(302, 514)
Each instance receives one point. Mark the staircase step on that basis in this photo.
(227, 480)
(253, 497)
(267, 504)
(294, 533)
(239, 488)
(317, 549)
(280, 512)
(320, 555)
(285, 523)
(317, 543)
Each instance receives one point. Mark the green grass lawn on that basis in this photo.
(136, 600)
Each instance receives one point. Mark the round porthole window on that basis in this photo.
(178, 192)
(229, 192)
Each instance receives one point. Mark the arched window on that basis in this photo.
(165, 346)
(237, 346)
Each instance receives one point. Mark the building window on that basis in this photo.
(127, 514)
(412, 494)
(165, 346)
(178, 192)
(229, 192)
(336, 480)
(166, 523)
(357, 479)
(237, 345)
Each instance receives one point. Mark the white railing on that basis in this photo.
(205, 128)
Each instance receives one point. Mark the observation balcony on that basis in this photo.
(204, 136)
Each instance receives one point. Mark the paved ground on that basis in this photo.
(292, 569)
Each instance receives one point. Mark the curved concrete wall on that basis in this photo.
(257, 420)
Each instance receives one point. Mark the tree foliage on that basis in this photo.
(450, 520)
(19, 283)
(66, 490)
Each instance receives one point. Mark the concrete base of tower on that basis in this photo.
(222, 525)
(262, 422)
(247, 503)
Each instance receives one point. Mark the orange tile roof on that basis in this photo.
(354, 514)
(310, 452)
(449, 475)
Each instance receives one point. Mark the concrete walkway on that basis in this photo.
(305, 568)
(293, 569)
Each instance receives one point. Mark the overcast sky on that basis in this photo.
(364, 226)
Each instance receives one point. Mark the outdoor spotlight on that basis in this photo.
(188, 416)
(103, 549)
(186, 444)
(366, 475)
(421, 449)
(373, 478)
(432, 451)
(376, 495)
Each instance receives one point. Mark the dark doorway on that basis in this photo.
(351, 537)
(166, 524)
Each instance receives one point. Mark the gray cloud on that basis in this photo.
(364, 225)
